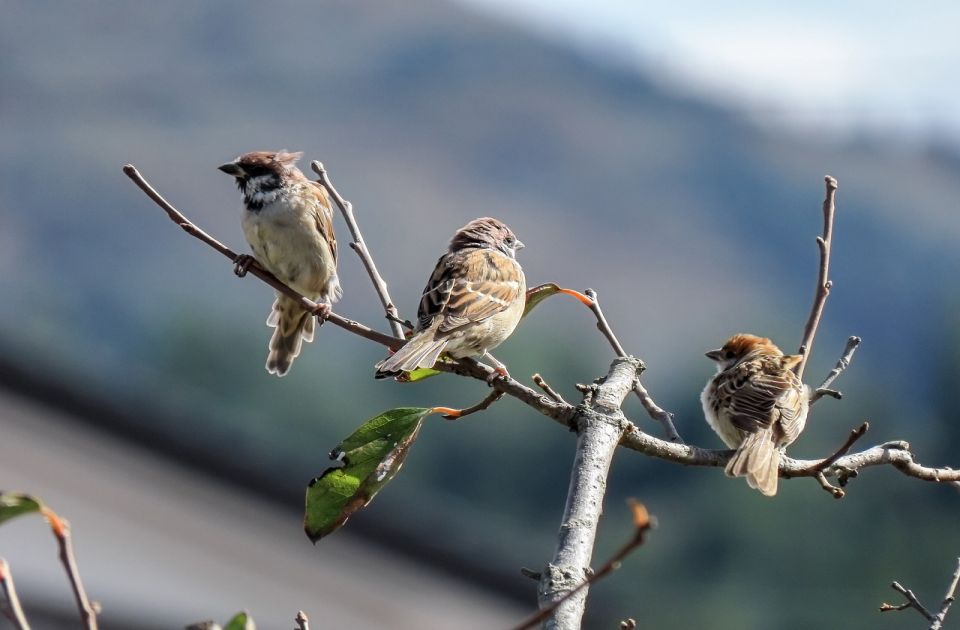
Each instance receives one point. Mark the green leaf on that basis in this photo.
(241, 621)
(371, 457)
(417, 375)
(14, 504)
(539, 294)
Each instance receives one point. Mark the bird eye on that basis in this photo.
(728, 354)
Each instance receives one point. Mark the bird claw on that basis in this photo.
(498, 373)
(242, 264)
(322, 312)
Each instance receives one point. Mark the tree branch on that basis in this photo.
(642, 523)
(303, 623)
(549, 391)
(13, 609)
(823, 282)
(948, 600)
(842, 364)
(655, 411)
(455, 414)
(61, 531)
(359, 245)
(600, 425)
(190, 228)
(912, 602)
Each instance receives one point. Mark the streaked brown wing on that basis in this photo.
(757, 392)
(324, 216)
(469, 286)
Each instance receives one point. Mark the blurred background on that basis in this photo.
(683, 143)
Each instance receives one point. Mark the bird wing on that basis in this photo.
(763, 392)
(323, 214)
(469, 286)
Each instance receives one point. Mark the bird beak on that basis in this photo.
(231, 168)
(715, 355)
(518, 245)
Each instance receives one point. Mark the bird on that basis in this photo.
(288, 222)
(473, 300)
(757, 405)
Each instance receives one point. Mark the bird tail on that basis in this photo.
(422, 351)
(293, 325)
(757, 459)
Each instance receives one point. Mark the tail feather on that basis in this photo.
(757, 459)
(293, 326)
(423, 350)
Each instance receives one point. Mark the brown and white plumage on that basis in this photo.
(288, 222)
(473, 300)
(757, 405)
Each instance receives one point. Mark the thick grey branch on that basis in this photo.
(600, 425)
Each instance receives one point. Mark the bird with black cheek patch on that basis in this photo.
(757, 405)
(288, 222)
(472, 302)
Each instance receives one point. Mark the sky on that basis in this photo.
(854, 67)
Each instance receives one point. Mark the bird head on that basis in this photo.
(739, 346)
(487, 233)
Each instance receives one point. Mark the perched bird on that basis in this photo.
(472, 302)
(757, 405)
(288, 221)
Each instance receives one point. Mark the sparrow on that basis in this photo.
(757, 405)
(288, 222)
(473, 300)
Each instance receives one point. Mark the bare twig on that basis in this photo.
(61, 531)
(455, 414)
(642, 523)
(359, 245)
(823, 282)
(549, 391)
(303, 623)
(948, 600)
(855, 435)
(600, 426)
(912, 602)
(190, 228)
(896, 454)
(662, 416)
(824, 390)
(13, 610)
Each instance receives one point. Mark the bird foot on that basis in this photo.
(498, 373)
(242, 264)
(322, 312)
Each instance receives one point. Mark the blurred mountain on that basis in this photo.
(691, 225)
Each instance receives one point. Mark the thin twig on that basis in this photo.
(303, 623)
(190, 228)
(896, 454)
(842, 364)
(855, 435)
(948, 600)
(359, 245)
(450, 413)
(912, 602)
(61, 531)
(823, 282)
(13, 610)
(656, 412)
(549, 391)
(838, 493)
(642, 523)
